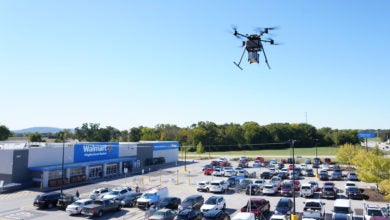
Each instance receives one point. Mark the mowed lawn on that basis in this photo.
(304, 152)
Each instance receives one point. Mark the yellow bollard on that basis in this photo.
(294, 217)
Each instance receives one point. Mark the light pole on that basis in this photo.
(316, 143)
(294, 216)
(62, 166)
(185, 159)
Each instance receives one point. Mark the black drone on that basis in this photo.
(254, 45)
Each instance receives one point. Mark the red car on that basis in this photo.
(260, 159)
(214, 163)
(290, 167)
(225, 164)
(208, 171)
(297, 185)
(257, 206)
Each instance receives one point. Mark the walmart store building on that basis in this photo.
(22, 162)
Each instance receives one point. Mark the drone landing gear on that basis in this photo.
(238, 64)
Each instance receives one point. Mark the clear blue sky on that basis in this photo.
(131, 63)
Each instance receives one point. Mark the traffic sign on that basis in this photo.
(366, 134)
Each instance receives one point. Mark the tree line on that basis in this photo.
(214, 137)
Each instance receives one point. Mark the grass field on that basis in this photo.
(304, 152)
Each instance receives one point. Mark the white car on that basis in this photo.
(259, 182)
(76, 207)
(218, 172)
(229, 171)
(218, 186)
(306, 190)
(98, 193)
(118, 193)
(270, 189)
(203, 186)
(349, 184)
(314, 185)
(213, 203)
(277, 181)
(279, 217)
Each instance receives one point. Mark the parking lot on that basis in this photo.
(180, 183)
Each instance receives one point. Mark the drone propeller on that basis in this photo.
(266, 30)
(271, 41)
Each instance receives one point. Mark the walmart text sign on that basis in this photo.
(95, 151)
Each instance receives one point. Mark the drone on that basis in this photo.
(253, 45)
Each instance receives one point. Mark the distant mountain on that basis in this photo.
(40, 130)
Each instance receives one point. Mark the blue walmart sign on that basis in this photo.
(84, 152)
(169, 145)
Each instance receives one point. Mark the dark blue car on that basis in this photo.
(284, 206)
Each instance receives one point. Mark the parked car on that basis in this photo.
(259, 182)
(270, 189)
(218, 172)
(193, 202)
(130, 200)
(328, 192)
(98, 193)
(257, 206)
(101, 206)
(266, 175)
(229, 171)
(65, 200)
(170, 203)
(244, 183)
(189, 214)
(307, 161)
(309, 172)
(297, 184)
(118, 193)
(206, 167)
(306, 190)
(284, 206)
(216, 215)
(218, 186)
(353, 192)
(76, 207)
(277, 181)
(314, 185)
(351, 176)
(163, 214)
(203, 186)
(283, 175)
(208, 171)
(287, 189)
(213, 203)
(336, 175)
(47, 200)
(253, 189)
(324, 176)
(313, 209)
(348, 184)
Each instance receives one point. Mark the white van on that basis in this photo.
(342, 206)
(244, 216)
(152, 197)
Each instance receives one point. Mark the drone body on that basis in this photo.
(254, 45)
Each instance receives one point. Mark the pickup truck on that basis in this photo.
(100, 206)
(372, 210)
(257, 206)
(313, 209)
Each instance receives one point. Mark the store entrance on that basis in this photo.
(95, 172)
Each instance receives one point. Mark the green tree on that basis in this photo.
(35, 137)
(373, 168)
(149, 134)
(200, 148)
(4, 133)
(135, 134)
(87, 132)
(384, 187)
(167, 132)
(346, 153)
